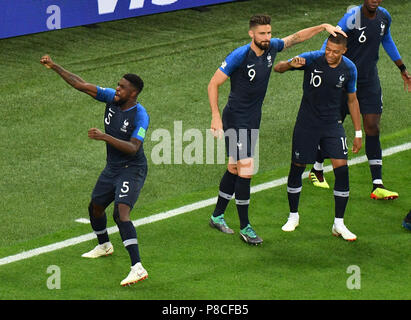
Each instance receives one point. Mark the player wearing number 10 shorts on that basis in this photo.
(327, 76)
(249, 68)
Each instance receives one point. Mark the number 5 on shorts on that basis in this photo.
(125, 187)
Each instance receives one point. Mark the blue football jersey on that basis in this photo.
(323, 88)
(364, 38)
(123, 125)
(249, 75)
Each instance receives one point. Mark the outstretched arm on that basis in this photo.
(308, 33)
(283, 66)
(391, 49)
(74, 80)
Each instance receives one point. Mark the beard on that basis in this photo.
(263, 45)
(119, 101)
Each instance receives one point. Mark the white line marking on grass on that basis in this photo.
(177, 211)
(83, 220)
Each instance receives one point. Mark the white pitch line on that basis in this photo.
(82, 220)
(177, 211)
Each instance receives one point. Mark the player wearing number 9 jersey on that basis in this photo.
(327, 76)
(126, 122)
(249, 68)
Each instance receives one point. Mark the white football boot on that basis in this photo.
(341, 230)
(291, 224)
(100, 250)
(136, 274)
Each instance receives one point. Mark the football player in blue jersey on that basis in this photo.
(368, 26)
(249, 68)
(125, 122)
(327, 75)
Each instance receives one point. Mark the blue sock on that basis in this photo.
(242, 200)
(99, 226)
(341, 190)
(374, 155)
(226, 191)
(294, 186)
(129, 236)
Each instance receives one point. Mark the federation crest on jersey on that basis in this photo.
(269, 60)
(341, 81)
(382, 28)
(125, 125)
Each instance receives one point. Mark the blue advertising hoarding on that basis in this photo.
(18, 17)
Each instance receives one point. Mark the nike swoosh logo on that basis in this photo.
(362, 28)
(345, 152)
(251, 65)
(123, 195)
(318, 71)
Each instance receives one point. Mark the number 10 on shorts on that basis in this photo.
(344, 144)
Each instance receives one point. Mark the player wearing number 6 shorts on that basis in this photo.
(125, 123)
(326, 76)
(368, 26)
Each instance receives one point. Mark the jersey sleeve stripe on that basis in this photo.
(105, 94)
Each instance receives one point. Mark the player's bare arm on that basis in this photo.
(216, 81)
(283, 66)
(129, 147)
(72, 79)
(308, 33)
(354, 108)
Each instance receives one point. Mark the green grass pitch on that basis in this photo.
(49, 167)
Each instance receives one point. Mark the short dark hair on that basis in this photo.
(135, 80)
(259, 20)
(339, 39)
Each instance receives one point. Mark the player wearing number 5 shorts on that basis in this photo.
(249, 68)
(326, 76)
(125, 123)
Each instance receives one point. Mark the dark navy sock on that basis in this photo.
(320, 157)
(374, 155)
(242, 200)
(294, 186)
(129, 236)
(226, 191)
(341, 190)
(99, 226)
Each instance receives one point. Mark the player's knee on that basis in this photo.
(232, 168)
(116, 214)
(121, 213)
(372, 129)
(95, 210)
(341, 178)
(372, 125)
(298, 165)
(295, 175)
